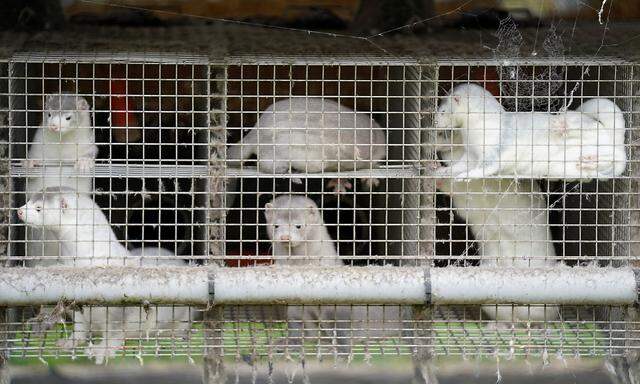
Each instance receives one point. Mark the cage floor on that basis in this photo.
(451, 332)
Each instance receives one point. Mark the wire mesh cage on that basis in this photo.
(368, 224)
(141, 193)
(274, 163)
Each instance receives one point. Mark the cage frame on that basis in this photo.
(214, 65)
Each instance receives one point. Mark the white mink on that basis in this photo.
(77, 222)
(298, 233)
(65, 135)
(86, 238)
(474, 114)
(299, 236)
(605, 152)
(131, 322)
(568, 145)
(312, 135)
(509, 220)
(495, 141)
(583, 148)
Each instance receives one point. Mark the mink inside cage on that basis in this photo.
(586, 218)
(370, 226)
(147, 117)
(388, 224)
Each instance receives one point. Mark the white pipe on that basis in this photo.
(552, 285)
(277, 285)
(97, 285)
(371, 285)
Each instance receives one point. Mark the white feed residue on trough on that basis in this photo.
(103, 285)
(553, 285)
(318, 285)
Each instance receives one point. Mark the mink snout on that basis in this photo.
(285, 238)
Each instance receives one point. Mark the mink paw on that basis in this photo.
(559, 126)
(31, 163)
(339, 185)
(85, 164)
(68, 344)
(100, 353)
(371, 183)
(588, 162)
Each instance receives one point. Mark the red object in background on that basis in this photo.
(121, 107)
(488, 78)
(247, 259)
(484, 76)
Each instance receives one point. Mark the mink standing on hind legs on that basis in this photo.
(300, 238)
(86, 239)
(65, 135)
(509, 221)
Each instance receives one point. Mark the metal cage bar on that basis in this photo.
(401, 219)
(5, 188)
(315, 285)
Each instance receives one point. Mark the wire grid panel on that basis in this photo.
(574, 211)
(149, 124)
(6, 200)
(246, 165)
(346, 137)
(4, 150)
(536, 168)
(109, 166)
(367, 331)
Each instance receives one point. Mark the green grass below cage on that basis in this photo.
(248, 341)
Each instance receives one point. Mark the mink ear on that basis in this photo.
(63, 204)
(47, 101)
(312, 210)
(268, 210)
(82, 104)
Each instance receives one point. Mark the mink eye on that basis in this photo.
(298, 226)
(49, 114)
(68, 118)
(38, 208)
(276, 226)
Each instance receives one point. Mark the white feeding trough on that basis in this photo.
(316, 285)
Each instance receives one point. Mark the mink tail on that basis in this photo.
(243, 149)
